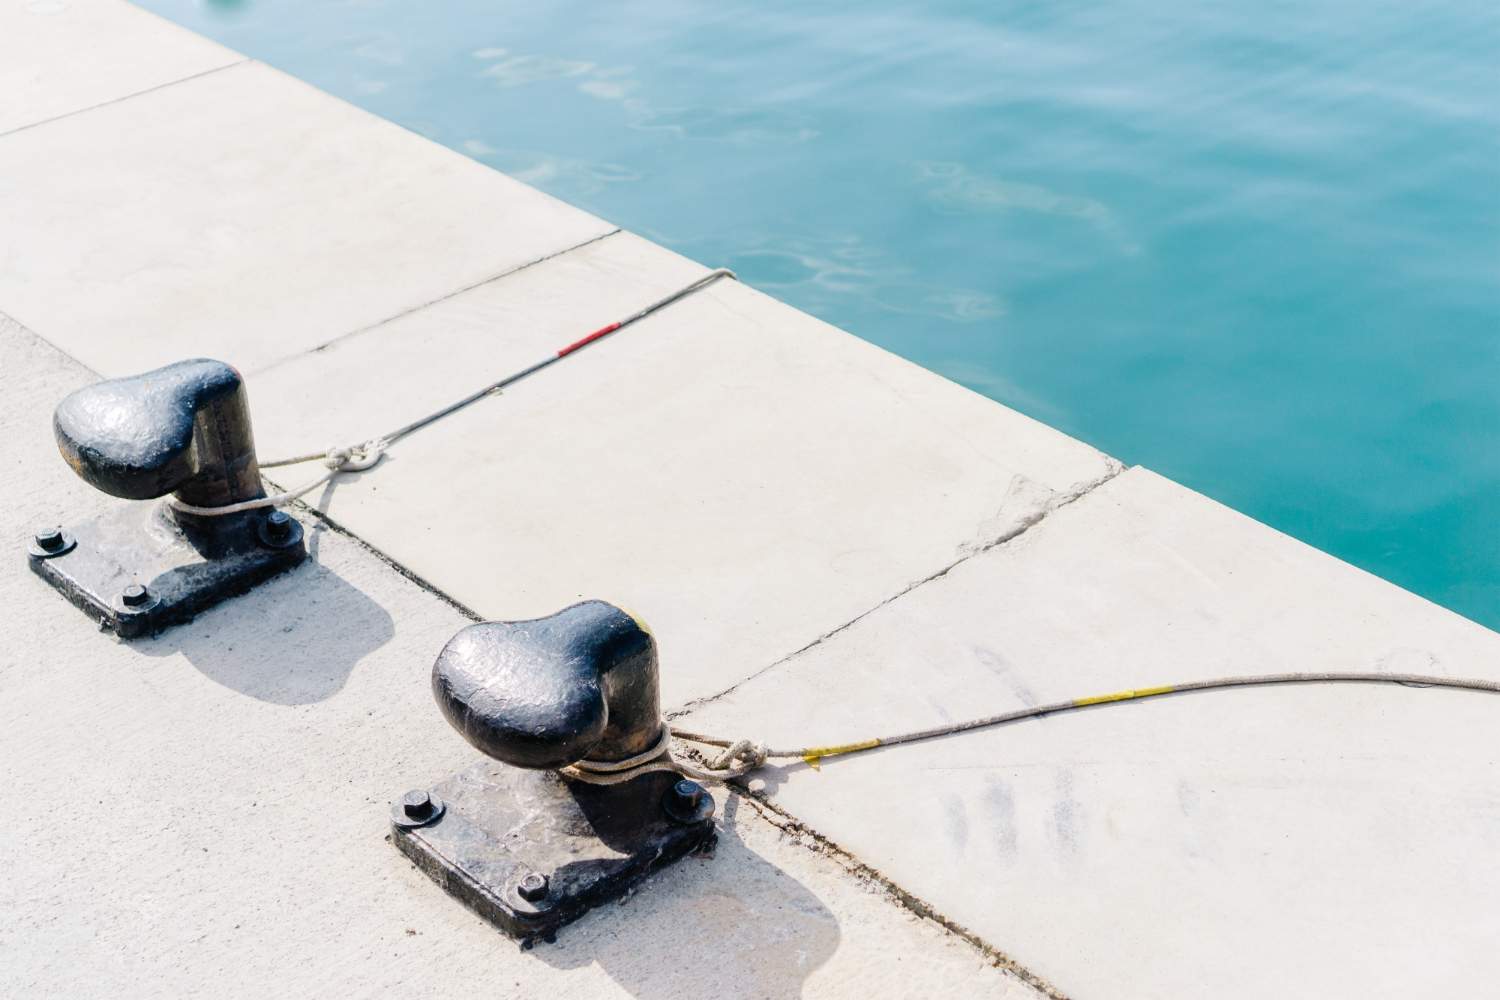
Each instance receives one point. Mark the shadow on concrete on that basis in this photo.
(769, 779)
(293, 640)
(730, 926)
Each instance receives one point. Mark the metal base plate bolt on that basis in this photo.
(51, 542)
(584, 845)
(279, 530)
(532, 888)
(173, 568)
(416, 808)
(688, 802)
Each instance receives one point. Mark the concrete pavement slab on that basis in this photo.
(204, 814)
(1313, 841)
(243, 214)
(59, 57)
(742, 475)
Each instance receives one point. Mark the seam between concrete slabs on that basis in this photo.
(121, 98)
(794, 829)
(797, 831)
(370, 327)
(1064, 500)
(12, 318)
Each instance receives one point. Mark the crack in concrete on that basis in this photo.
(341, 338)
(1031, 520)
(124, 97)
(805, 836)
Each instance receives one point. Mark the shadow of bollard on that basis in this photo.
(732, 926)
(294, 640)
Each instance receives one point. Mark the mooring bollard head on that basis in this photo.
(184, 428)
(549, 692)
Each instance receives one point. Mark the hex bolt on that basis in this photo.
(417, 804)
(135, 595)
(278, 526)
(533, 888)
(687, 802)
(688, 794)
(50, 541)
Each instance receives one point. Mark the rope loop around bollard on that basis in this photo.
(736, 761)
(353, 458)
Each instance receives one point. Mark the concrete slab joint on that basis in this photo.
(1040, 503)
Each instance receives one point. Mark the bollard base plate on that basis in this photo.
(185, 567)
(592, 843)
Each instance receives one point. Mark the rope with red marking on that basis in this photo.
(359, 457)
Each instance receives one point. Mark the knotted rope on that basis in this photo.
(737, 759)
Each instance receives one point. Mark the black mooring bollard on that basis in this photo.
(182, 430)
(527, 846)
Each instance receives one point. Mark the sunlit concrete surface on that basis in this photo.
(243, 214)
(205, 814)
(58, 57)
(746, 476)
(742, 474)
(829, 543)
(1310, 841)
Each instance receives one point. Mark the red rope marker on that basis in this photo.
(577, 345)
(357, 458)
(603, 331)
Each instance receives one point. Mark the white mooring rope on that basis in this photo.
(354, 458)
(736, 760)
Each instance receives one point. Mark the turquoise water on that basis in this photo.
(1253, 246)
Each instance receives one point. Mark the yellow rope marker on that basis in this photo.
(751, 756)
(1100, 699)
(814, 754)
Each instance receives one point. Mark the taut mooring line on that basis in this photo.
(740, 757)
(359, 457)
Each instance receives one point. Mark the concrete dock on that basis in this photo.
(829, 543)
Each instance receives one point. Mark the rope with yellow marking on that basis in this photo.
(751, 756)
